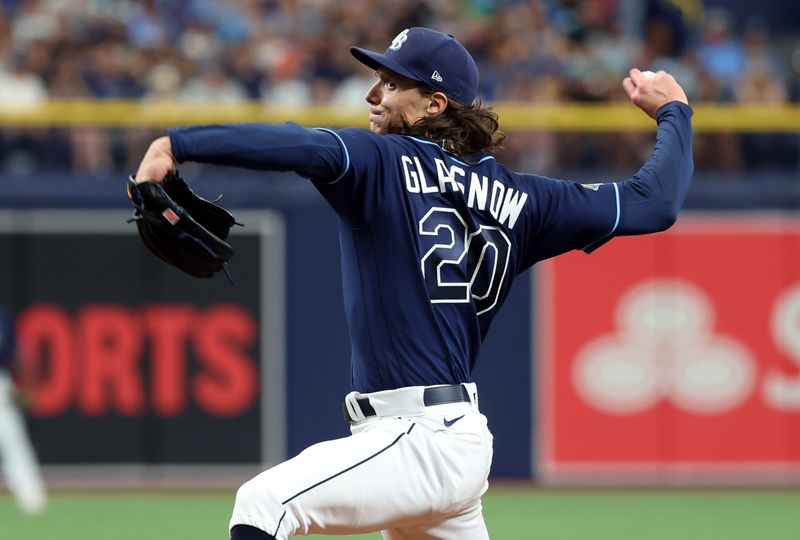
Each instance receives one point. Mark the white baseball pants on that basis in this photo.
(20, 468)
(411, 472)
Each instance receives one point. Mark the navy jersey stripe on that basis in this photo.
(616, 221)
(346, 166)
(613, 228)
(275, 534)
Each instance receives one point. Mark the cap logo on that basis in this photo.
(436, 77)
(398, 41)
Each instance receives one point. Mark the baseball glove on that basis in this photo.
(186, 231)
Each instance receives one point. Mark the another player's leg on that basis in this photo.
(17, 455)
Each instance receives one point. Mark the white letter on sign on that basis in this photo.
(780, 390)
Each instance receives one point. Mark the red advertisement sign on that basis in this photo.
(673, 356)
(99, 361)
(129, 361)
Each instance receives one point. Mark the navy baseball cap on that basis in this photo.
(430, 57)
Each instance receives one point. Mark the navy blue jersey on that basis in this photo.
(431, 242)
(430, 247)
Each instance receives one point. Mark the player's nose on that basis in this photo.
(373, 95)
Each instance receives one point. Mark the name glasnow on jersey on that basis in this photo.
(503, 202)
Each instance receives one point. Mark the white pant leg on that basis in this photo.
(20, 468)
(465, 519)
(468, 525)
(392, 473)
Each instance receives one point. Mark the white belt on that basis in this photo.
(407, 401)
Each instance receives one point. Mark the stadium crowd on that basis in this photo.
(295, 52)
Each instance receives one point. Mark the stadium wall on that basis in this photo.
(313, 372)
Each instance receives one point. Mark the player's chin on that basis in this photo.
(379, 128)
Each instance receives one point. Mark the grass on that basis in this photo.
(511, 513)
(644, 515)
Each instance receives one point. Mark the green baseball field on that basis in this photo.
(511, 513)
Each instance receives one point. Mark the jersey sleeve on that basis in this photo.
(356, 193)
(653, 197)
(349, 167)
(273, 147)
(568, 215)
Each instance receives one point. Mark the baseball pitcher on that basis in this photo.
(433, 231)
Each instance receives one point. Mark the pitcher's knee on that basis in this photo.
(257, 505)
(250, 491)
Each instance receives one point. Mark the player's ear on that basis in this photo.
(437, 104)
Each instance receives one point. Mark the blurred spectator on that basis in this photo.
(20, 88)
(18, 84)
(212, 85)
(145, 27)
(294, 53)
(720, 54)
(283, 83)
(761, 84)
(351, 91)
(87, 147)
(715, 151)
(163, 82)
(109, 71)
(762, 80)
(34, 21)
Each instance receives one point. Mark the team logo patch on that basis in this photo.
(170, 215)
(436, 77)
(593, 187)
(398, 41)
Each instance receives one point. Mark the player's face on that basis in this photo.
(392, 98)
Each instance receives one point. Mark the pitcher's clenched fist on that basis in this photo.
(650, 91)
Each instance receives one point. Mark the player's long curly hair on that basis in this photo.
(460, 129)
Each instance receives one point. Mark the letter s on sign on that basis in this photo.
(780, 390)
(229, 381)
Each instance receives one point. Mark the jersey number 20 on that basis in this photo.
(479, 257)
